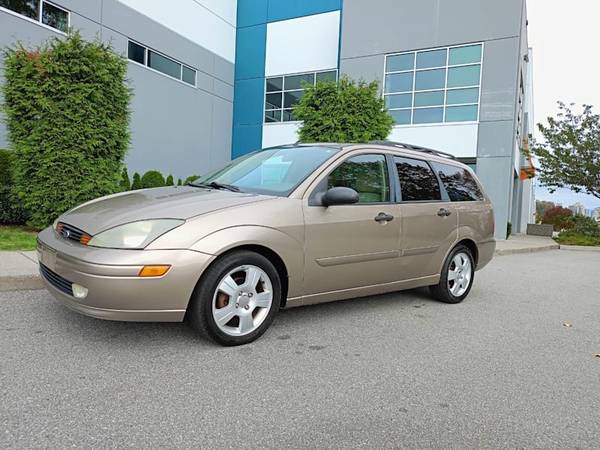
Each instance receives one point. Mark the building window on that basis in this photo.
(40, 11)
(161, 63)
(434, 86)
(284, 92)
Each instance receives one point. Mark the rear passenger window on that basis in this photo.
(417, 180)
(459, 183)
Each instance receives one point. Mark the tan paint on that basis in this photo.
(330, 253)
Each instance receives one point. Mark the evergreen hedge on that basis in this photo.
(345, 111)
(67, 112)
(11, 209)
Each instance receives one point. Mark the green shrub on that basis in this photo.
(508, 230)
(585, 226)
(169, 181)
(5, 167)
(152, 179)
(137, 182)
(125, 184)
(343, 112)
(570, 237)
(179, 182)
(12, 211)
(67, 113)
(191, 179)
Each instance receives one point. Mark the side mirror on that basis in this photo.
(339, 196)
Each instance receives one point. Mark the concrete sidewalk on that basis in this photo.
(523, 243)
(19, 270)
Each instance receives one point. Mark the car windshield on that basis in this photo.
(273, 171)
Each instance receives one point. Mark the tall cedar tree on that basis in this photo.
(67, 112)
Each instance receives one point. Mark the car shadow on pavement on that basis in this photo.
(92, 330)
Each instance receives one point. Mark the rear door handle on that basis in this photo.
(443, 212)
(383, 217)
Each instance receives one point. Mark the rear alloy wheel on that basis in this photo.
(457, 276)
(237, 298)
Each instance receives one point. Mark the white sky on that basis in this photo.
(565, 37)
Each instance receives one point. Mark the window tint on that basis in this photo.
(367, 175)
(459, 183)
(28, 8)
(417, 180)
(55, 17)
(140, 54)
(136, 53)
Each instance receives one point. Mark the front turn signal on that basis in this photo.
(153, 271)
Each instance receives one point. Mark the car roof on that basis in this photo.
(400, 147)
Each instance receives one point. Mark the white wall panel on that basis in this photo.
(280, 133)
(206, 22)
(304, 44)
(457, 139)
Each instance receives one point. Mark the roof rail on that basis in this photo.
(415, 148)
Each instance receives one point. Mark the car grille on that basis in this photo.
(56, 280)
(72, 233)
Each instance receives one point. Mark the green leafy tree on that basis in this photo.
(179, 182)
(137, 182)
(152, 179)
(67, 112)
(191, 179)
(570, 154)
(345, 111)
(169, 181)
(125, 183)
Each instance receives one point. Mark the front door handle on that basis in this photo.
(383, 217)
(443, 212)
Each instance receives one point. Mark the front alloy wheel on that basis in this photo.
(236, 299)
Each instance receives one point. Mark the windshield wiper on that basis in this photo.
(216, 185)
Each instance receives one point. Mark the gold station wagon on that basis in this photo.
(280, 227)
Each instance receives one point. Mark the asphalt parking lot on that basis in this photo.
(501, 370)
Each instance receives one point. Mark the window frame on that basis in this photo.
(445, 88)
(283, 91)
(38, 19)
(147, 59)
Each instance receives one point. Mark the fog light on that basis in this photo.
(79, 291)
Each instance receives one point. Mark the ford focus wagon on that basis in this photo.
(280, 227)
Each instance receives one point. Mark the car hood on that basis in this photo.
(181, 202)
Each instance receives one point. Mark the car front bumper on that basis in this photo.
(114, 289)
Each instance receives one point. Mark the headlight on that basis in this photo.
(135, 234)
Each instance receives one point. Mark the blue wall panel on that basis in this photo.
(251, 12)
(289, 9)
(251, 42)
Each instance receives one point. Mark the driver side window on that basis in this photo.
(366, 174)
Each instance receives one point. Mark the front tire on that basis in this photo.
(236, 299)
(457, 276)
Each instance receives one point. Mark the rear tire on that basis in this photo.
(458, 274)
(236, 299)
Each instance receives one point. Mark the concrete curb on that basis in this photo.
(512, 251)
(21, 283)
(580, 248)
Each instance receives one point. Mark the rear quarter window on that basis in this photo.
(459, 183)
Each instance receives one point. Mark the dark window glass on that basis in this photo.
(288, 115)
(430, 79)
(428, 115)
(417, 180)
(164, 65)
(188, 75)
(399, 82)
(274, 84)
(55, 17)
(136, 52)
(273, 116)
(400, 116)
(367, 175)
(292, 98)
(459, 183)
(28, 8)
(273, 101)
(326, 76)
(297, 81)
